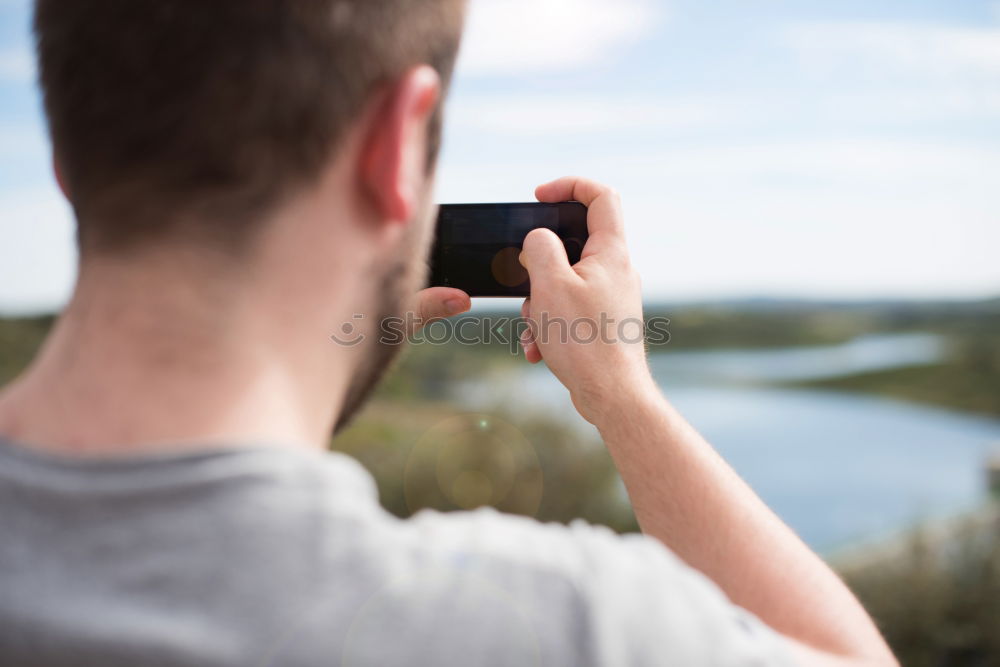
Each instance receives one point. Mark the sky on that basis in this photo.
(766, 148)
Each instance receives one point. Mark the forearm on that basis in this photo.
(685, 495)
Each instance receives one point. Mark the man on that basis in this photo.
(247, 175)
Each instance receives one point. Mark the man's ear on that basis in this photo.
(394, 152)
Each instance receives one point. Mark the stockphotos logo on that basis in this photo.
(507, 331)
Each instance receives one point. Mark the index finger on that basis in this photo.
(604, 216)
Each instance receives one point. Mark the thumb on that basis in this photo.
(435, 303)
(544, 256)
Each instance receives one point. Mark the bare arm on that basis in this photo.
(682, 491)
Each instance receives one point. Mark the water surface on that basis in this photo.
(837, 467)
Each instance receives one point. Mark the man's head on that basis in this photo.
(294, 137)
(186, 117)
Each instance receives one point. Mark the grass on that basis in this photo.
(938, 603)
(430, 454)
(20, 339)
(967, 379)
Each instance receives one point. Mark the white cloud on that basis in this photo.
(921, 48)
(531, 120)
(23, 142)
(545, 114)
(530, 115)
(38, 255)
(859, 161)
(952, 101)
(17, 65)
(841, 169)
(511, 37)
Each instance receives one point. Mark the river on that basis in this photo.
(838, 468)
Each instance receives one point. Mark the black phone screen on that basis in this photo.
(476, 247)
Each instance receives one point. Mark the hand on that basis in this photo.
(586, 320)
(436, 303)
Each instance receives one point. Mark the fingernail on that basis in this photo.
(454, 305)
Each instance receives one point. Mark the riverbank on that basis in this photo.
(967, 378)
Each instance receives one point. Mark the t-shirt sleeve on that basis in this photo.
(647, 607)
(593, 597)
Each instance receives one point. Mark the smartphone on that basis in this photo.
(477, 246)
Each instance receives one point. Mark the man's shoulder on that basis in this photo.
(488, 538)
(581, 558)
(578, 590)
(570, 551)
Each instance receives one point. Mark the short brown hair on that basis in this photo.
(169, 114)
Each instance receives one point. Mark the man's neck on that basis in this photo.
(136, 364)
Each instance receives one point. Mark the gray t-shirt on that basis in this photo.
(267, 556)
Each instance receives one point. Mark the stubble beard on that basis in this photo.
(399, 281)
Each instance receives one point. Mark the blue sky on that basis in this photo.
(786, 148)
